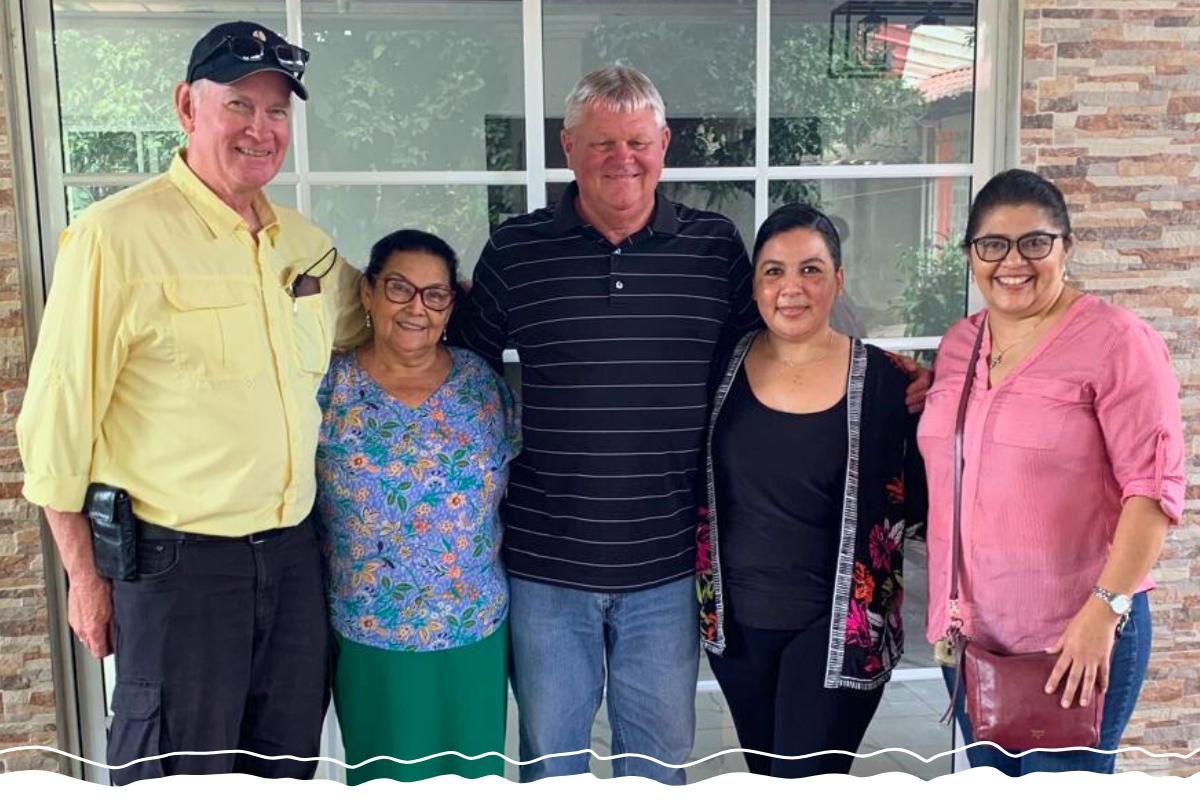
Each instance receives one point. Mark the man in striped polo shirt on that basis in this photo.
(614, 300)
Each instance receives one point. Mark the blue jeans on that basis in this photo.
(564, 641)
(1130, 657)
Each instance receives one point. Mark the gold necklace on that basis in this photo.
(994, 361)
(793, 364)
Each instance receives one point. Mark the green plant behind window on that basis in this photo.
(935, 287)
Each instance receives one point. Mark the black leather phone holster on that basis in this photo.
(114, 531)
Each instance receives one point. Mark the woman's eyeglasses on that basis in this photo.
(247, 48)
(437, 297)
(1032, 246)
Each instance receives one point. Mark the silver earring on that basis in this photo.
(368, 320)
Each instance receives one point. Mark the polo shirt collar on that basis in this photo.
(214, 212)
(566, 215)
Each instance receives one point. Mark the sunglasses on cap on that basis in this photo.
(247, 48)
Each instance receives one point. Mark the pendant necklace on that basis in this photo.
(995, 361)
(793, 364)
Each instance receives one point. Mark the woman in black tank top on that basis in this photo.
(813, 480)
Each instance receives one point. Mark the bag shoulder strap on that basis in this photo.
(959, 424)
(958, 641)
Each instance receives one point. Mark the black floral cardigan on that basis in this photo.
(885, 501)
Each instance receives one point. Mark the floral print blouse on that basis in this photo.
(408, 501)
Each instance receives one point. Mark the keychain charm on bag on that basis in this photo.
(947, 649)
(944, 653)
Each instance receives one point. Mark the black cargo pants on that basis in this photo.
(221, 645)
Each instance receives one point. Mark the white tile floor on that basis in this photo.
(907, 717)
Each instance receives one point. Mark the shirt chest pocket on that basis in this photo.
(1035, 412)
(215, 327)
(312, 342)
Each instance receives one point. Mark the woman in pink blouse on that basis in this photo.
(1073, 468)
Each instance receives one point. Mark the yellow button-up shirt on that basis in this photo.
(173, 362)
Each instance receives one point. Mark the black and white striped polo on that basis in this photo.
(615, 343)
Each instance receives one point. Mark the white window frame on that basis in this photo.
(994, 147)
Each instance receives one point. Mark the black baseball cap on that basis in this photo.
(227, 53)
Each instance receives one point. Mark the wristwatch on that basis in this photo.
(1119, 603)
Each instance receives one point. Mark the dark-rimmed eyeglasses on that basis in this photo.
(247, 48)
(436, 297)
(1032, 246)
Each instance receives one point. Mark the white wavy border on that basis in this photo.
(975, 784)
(928, 760)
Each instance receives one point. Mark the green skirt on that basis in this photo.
(409, 705)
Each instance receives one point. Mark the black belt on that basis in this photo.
(149, 532)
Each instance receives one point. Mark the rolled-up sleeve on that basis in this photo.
(350, 323)
(1137, 402)
(79, 354)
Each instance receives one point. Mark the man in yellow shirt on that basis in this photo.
(187, 331)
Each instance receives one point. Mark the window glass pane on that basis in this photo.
(80, 197)
(358, 216)
(904, 274)
(117, 70)
(283, 194)
(851, 83)
(415, 86)
(699, 55)
(734, 199)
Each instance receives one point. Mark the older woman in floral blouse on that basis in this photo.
(411, 465)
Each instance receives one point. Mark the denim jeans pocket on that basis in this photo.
(157, 559)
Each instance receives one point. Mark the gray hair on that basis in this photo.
(619, 88)
(198, 89)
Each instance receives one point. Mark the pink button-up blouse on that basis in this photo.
(1089, 418)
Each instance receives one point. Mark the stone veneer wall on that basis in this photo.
(1110, 110)
(27, 713)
